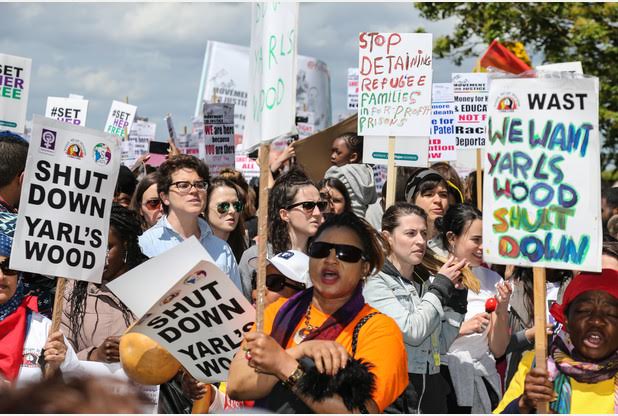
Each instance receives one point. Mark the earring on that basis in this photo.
(126, 253)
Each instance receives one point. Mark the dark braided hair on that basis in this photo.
(281, 196)
(126, 225)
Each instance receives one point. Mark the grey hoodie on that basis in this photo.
(358, 180)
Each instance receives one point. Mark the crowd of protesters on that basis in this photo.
(371, 309)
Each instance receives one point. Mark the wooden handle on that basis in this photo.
(262, 237)
(391, 173)
(56, 318)
(540, 335)
(202, 405)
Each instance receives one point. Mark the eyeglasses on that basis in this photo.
(152, 204)
(344, 252)
(276, 283)
(185, 186)
(224, 207)
(309, 206)
(4, 266)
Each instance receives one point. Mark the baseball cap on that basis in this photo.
(294, 265)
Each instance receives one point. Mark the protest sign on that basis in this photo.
(542, 175)
(395, 71)
(225, 79)
(352, 88)
(66, 201)
(192, 309)
(271, 108)
(575, 67)
(219, 146)
(14, 88)
(68, 110)
(470, 96)
(305, 124)
(120, 118)
(409, 151)
(141, 134)
(247, 166)
(171, 131)
(442, 134)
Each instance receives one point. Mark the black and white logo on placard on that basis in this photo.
(48, 141)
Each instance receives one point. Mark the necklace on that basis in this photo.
(305, 330)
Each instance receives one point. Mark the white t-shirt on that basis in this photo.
(477, 344)
(36, 338)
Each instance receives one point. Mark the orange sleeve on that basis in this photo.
(381, 343)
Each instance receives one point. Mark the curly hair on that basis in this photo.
(354, 143)
(125, 224)
(175, 163)
(282, 195)
(236, 239)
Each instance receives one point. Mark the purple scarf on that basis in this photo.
(294, 310)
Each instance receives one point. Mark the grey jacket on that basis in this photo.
(359, 182)
(428, 327)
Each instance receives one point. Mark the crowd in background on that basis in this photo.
(370, 308)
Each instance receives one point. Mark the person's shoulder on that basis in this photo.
(379, 323)
(153, 233)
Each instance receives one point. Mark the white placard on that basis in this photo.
(575, 67)
(120, 118)
(352, 88)
(395, 73)
(470, 95)
(65, 203)
(141, 134)
(271, 110)
(68, 110)
(442, 134)
(409, 151)
(219, 146)
(542, 194)
(14, 88)
(193, 310)
(247, 166)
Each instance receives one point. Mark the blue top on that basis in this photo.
(161, 237)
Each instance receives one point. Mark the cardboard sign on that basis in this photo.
(542, 192)
(409, 151)
(219, 146)
(470, 95)
(192, 309)
(442, 134)
(66, 200)
(120, 118)
(141, 134)
(352, 88)
(14, 88)
(271, 108)
(395, 72)
(225, 79)
(68, 110)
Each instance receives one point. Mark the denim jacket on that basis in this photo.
(428, 327)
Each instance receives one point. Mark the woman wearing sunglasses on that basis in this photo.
(146, 201)
(427, 311)
(310, 339)
(224, 207)
(25, 341)
(294, 215)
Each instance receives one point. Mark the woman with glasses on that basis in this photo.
(25, 341)
(333, 191)
(146, 202)
(224, 207)
(294, 215)
(325, 350)
(182, 184)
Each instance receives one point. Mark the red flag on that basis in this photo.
(498, 56)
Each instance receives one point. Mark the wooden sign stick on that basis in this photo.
(479, 180)
(540, 334)
(262, 236)
(391, 173)
(61, 282)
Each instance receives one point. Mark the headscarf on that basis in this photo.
(560, 364)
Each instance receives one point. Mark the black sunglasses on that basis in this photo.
(224, 207)
(276, 283)
(344, 252)
(309, 206)
(4, 266)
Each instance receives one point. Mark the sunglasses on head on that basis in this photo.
(4, 266)
(153, 203)
(276, 283)
(309, 206)
(224, 207)
(344, 252)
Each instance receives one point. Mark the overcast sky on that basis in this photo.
(153, 53)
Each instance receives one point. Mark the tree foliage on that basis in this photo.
(562, 32)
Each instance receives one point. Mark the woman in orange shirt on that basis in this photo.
(326, 335)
